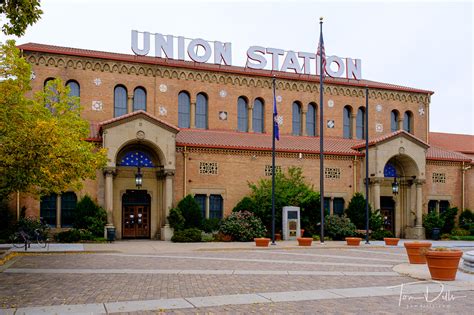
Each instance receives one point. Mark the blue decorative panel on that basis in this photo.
(136, 158)
(389, 170)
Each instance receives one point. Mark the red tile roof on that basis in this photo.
(439, 154)
(262, 142)
(454, 142)
(389, 136)
(34, 47)
(139, 113)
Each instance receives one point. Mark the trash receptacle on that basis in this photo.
(110, 234)
(435, 234)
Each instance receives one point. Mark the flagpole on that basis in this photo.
(366, 164)
(321, 129)
(273, 162)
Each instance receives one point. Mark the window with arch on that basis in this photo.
(347, 122)
(53, 98)
(360, 123)
(74, 88)
(184, 109)
(48, 209)
(394, 120)
(201, 111)
(296, 119)
(120, 101)
(311, 120)
(242, 114)
(139, 99)
(408, 122)
(257, 116)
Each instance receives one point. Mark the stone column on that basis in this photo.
(109, 195)
(208, 207)
(250, 117)
(192, 114)
(419, 207)
(376, 191)
(130, 103)
(400, 122)
(166, 231)
(353, 125)
(331, 206)
(304, 132)
(58, 211)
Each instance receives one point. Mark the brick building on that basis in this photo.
(205, 130)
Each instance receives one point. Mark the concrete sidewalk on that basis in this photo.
(153, 247)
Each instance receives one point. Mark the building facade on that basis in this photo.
(206, 130)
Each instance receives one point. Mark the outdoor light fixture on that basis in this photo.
(138, 179)
(395, 186)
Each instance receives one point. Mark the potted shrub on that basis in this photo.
(443, 263)
(391, 241)
(353, 241)
(415, 251)
(261, 241)
(305, 241)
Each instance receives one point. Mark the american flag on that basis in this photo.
(136, 158)
(322, 54)
(276, 128)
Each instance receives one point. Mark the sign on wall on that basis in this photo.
(258, 57)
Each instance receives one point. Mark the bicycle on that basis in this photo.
(23, 239)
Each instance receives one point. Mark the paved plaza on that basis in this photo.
(153, 277)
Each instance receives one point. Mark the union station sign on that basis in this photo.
(258, 57)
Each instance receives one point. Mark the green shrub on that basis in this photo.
(449, 218)
(192, 235)
(176, 219)
(445, 236)
(207, 237)
(375, 221)
(89, 216)
(243, 226)
(463, 238)
(71, 236)
(380, 234)
(459, 232)
(211, 225)
(246, 204)
(430, 221)
(6, 221)
(466, 219)
(356, 211)
(191, 212)
(29, 225)
(339, 227)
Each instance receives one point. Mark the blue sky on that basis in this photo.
(424, 44)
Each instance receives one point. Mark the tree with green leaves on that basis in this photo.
(291, 189)
(19, 14)
(42, 140)
(356, 211)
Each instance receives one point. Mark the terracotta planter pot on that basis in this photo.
(415, 251)
(443, 265)
(353, 241)
(277, 237)
(391, 241)
(262, 241)
(304, 241)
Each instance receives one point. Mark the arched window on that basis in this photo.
(74, 88)
(296, 119)
(120, 101)
(201, 111)
(242, 114)
(68, 204)
(360, 123)
(347, 122)
(139, 99)
(394, 120)
(311, 120)
(257, 115)
(136, 158)
(408, 122)
(184, 108)
(51, 94)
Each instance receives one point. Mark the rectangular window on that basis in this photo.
(443, 206)
(327, 202)
(201, 201)
(68, 205)
(208, 168)
(48, 209)
(338, 206)
(268, 170)
(432, 206)
(332, 173)
(216, 208)
(439, 178)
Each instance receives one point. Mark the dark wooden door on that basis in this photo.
(387, 211)
(136, 221)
